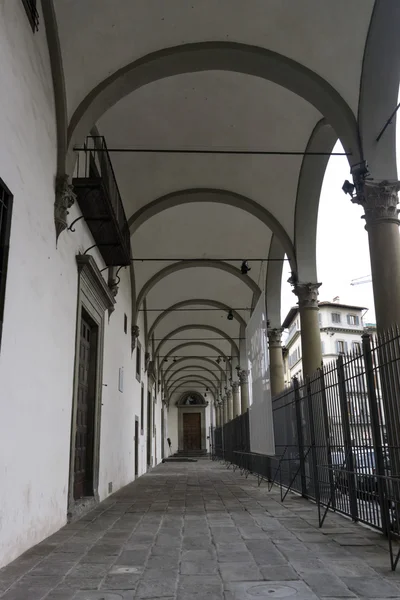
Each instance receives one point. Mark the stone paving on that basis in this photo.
(194, 531)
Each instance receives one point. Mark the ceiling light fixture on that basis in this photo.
(230, 315)
(244, 269)
(218, 359)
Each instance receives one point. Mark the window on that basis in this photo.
(142, 410)
(353, 320)
(31, 11)
(294, 357)
(341, 347)
(5, 226)
(322, 347)
(138, 361)
(357, 347)
(320, 319)
(336, 318)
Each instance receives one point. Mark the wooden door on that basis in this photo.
(191, 431)
(84, 437)
(136, 447)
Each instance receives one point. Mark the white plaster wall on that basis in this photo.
(172, 420)
(38, 342)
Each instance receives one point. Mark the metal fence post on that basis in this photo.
(327, 437)
(312, 442)
(376, 432)
(347, 440)
(300, 439)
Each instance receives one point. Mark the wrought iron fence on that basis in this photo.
(337, 437)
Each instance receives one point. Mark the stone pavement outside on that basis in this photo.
(194, 531)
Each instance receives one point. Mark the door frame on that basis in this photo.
(136, 447)
(190, 409)
(94, 298)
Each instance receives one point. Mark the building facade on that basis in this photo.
(341, 327)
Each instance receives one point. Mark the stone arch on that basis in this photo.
(194, 343)
(203, 380)
(173, 391)
(211, 374)
(190, 264)
(312, 172)
(195, 326)
(219, 196)
(202, 302)
(206, 360)
(222, 56)
(196, 396)
(379, 89)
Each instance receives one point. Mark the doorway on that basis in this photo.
(85, 413)
(136, 447)
(192, 431)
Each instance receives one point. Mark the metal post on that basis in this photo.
(327, 437)
(300, 439)
(376, 433)
(350, 473)
(312, 443)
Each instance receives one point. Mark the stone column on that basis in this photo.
(307, 294)
(236, 399)
(277, 372)
(217, 415)
(379, 200)
(244, 390)
(229, 403)
(224, 410)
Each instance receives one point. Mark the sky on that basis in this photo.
(342, 244)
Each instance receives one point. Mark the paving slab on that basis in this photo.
(191, 531)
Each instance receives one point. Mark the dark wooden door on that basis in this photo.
(191, 431)
(83, 476)
(136, 447)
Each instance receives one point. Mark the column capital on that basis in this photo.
(379, 200)
(235, 386)
(307, 294)
(275, 337)
(243, 376)
(228, 394)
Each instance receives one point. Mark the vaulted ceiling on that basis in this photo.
(226, 75)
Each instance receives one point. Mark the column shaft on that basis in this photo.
(277, 374)
(244, 391)
(381, 216)
(236, 399)
(307, 294)
(229, 403)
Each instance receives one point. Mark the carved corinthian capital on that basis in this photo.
(307, 294)
(243, 376)
(275, 337)
(379, 200)
(235, 386)
(65, 198)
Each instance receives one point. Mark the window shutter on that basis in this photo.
(357, 320)
(337, 347)
(345, 346)
(323, 347)
(348, 320)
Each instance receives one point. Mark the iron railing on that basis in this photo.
(337, 437)
(100, 201)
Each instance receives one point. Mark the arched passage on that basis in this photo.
(201, 327)
(214, 195)
(224, 56)
(189, 264)
(198, 343)
(208, 372)
(195, 301)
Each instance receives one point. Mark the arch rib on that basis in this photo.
(196, 326)
(202, 302)
(190, 264)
